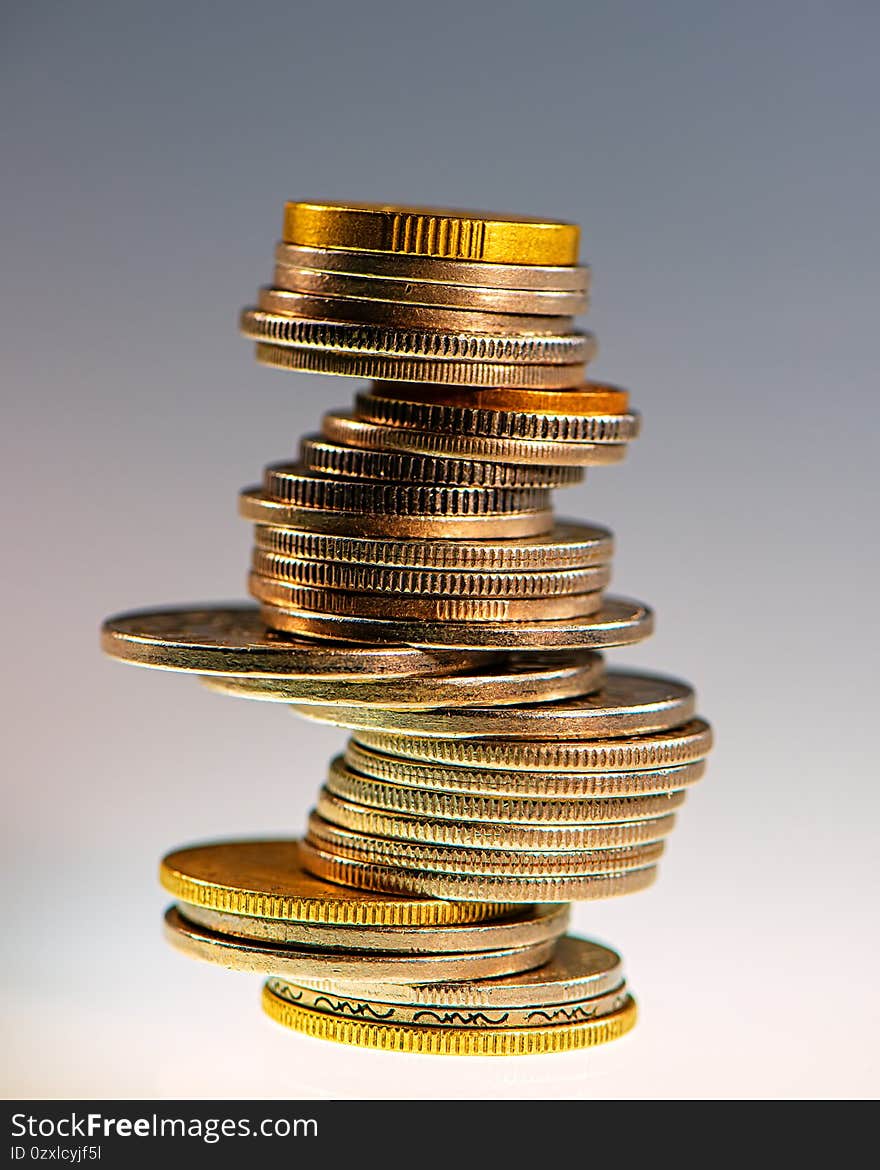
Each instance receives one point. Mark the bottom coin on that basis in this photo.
(451, 1040)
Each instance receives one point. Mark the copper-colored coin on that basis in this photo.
(589, 398)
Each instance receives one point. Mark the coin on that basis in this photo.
(524, 927)
(234, 640)
(619, 622)
(589, 398)
(627, 756)
(404, 368)
(393, 314)
(359, 287)
(579, 971)
(439, 1016)
(305, 963)
(559, 428)
(325, 458)
(584, 808)
(489, 833)
(266, 879)
(344, 428)
(520, 679)
(568, 545)
(628, 703)
(533, 277)
(369, 875)
(438, 345)
(435, 609)
(255, 505)
(379, 579)
(446, 233)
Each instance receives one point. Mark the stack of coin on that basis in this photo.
(414, 586)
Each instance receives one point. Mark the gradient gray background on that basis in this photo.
(723, 162)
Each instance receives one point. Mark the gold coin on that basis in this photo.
(382, 579)
(446, 233)
(255, 505)
(521, 679)
(628, 703)
(435, 609)
(590, 398)
(306, 963)
(389, 796)
(497, 424)
(325, 458)
(532, 277)
(528, 925)
(394, 314)
(266, 879)
(358, 287)
(404, 368)
(234, 640)
(579, 971)
(562, 834)
(566, 546)
(345, 428)
(626, 757)
(439, 345)
(370, 875)
(619, 622)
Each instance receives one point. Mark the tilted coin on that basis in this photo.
(619, 622)
(562, 834)
(350, 338)
(379, 579)
(390, 796)
(451, 1041)
(627, 756)
(305, 963)
(524, 927)
(266, 879)
(451, 885)
(394, 314)
(579, 971)
(234, 640)
(534, 277)
(527, 678)
(559, 428)
(326, 458)
(568, 545)
(589, 398)
(434, 609)
(293, 484)
(400, 367)
(628, 703)
(345, 428)
(255, 505)
(447, 233)
(359, 287)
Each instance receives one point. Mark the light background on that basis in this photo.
(723, 161)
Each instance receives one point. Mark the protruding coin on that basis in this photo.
(590, 398)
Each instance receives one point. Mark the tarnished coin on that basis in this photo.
(628, 703)
(446, 233)
(589, 398)
(564, 833)
(525, 678)
(326, 458)
(266, 879)
(524, 927)
(619, 622)
(433, 609)
(306, 963)
(382, 579)
(234, 640)
(567, 546)
(255, 505)
(369, 875)
(625, 757)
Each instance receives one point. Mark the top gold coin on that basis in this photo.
(431, 231)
